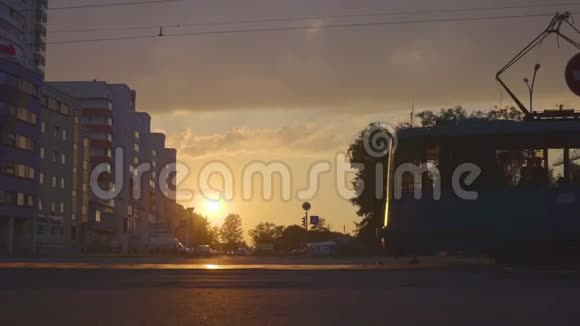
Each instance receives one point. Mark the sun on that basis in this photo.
(213, 207)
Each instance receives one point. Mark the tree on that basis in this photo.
(231, 231)
(292, 237)
(321, 226)
(371, 208)
(213, 236)
(266, 232)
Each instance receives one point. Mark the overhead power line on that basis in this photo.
(100, 5)
(114, 4)
(293, 28)
(323, 17)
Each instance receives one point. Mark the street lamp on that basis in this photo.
(531, 86)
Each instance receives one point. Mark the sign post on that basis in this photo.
(306, 207)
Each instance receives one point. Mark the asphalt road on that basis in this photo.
(325, 294)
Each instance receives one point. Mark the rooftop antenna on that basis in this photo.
(160, 31)
(412, 115)
(553, 28)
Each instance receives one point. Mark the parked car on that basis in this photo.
(297, 252)
(166, 245)
(202, 251)
(242, 252)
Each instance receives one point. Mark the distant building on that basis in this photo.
(164, 208)
(144, 153)
(55, 220)
(23, 33)
(115, 128)
(96, 106)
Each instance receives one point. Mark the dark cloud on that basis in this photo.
(341, 70)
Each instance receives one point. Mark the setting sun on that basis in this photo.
(213, 207)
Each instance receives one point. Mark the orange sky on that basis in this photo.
(299, 97)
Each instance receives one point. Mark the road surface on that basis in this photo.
(160, 293)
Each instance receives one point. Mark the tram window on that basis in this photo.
(512, 164)
(556, 166)
(575, 166)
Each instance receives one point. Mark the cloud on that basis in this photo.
(346, 69)
(291, 139)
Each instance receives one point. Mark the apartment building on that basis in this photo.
(55, 219)
(95, 100)
(19, 160)
(23, 33)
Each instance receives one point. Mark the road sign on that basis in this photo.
(306, 206)
(573, 74)
(314, 220)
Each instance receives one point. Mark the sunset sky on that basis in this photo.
(300, 96)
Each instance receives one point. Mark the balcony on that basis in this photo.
(99, 129)
(100, 144)
(98, 112)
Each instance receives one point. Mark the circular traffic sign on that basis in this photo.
(306, 206)
(573, 74)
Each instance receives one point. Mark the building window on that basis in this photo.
(42, 152)
(136, 147)
(62, 207)
(64, 109)
(17, 170)
(22, 200)
(64, 135)
(41, 178)
(43, 127)
(23, 114)
(27, 87)
(98, 216)
(86, 142)
(40, 205)
(56, 132)
(63, 159)
(53, 104)
(61, 183)
(53, 207)
(19, 141)
(136, 134)
(55, 156)
(53, 181)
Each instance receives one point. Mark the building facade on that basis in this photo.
(23, 33)
(55, 217)
(96, 120)
(143, 152)
(20, 92)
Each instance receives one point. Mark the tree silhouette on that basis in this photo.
(266, 233)
(231, 231)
